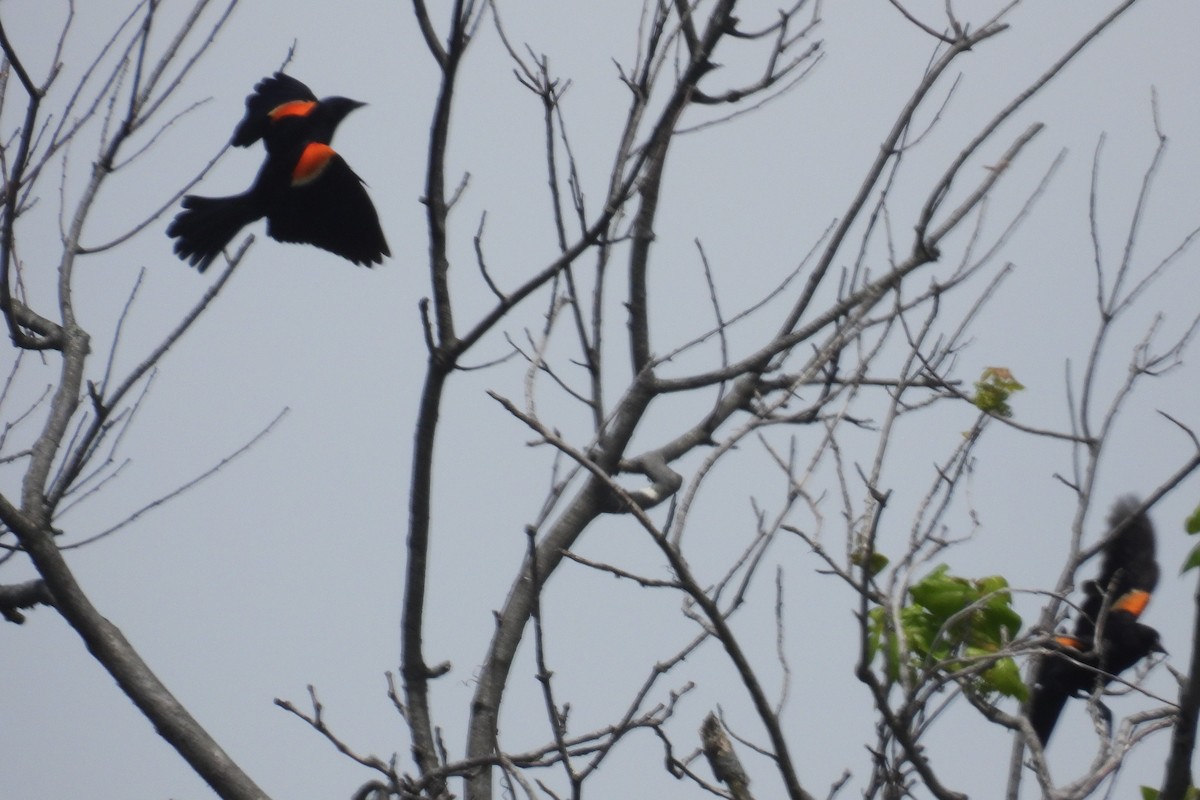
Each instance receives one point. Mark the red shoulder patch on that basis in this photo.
(312, 163)
(1134, 602)
(295, 108)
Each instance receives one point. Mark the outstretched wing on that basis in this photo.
(1129, 559)
(274, 97)
(328, 206)
(1128, 575)
(1128, 571)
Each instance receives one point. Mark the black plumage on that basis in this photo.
(281, 111)
(306, 191)
(1113, 604)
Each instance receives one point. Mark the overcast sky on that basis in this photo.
(286, 568)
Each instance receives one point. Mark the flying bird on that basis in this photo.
(1114, 602)
(305, 190)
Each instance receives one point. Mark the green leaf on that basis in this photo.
(993, 389)
(984, 622)
(1192, 525)
(992, 583)
(919, 629)
(1150, 793)
(880, 637)
(944, 595)
(874, 631)
(875, 562)
(997, 623)
(1005, 677)
(1193, 560)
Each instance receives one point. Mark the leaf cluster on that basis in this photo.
(1150, 793)
(993, 389)
(1192, 526)
(953, 624)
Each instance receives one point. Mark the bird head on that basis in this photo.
(337, 108)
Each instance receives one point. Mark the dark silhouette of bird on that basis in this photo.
(305, 190)
(1076, 665)
(281, 109)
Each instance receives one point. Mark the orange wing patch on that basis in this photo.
(312, 163)
(1068, 641)
(295, 108)
(1134, 602)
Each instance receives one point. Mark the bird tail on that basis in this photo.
(207, 225)
(1044, 710)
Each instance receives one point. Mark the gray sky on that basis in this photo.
(286, 568)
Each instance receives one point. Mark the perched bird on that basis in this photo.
(1114, 602)
(281, 106)
(305, 190)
